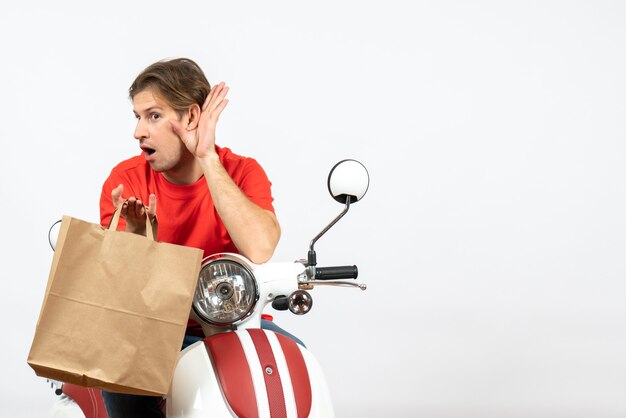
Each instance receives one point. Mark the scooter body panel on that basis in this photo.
(65, 407)
(195, 390)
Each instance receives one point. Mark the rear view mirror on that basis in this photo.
(348, 178)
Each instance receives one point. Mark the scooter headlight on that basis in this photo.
(226, 291)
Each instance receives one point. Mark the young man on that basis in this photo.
(197, 194)
(207, 196)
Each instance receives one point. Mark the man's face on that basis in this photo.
(161, 147)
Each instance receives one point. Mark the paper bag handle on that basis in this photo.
(116, 219)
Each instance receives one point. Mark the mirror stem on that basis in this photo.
(312, 259)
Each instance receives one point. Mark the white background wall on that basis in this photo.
(493, 235)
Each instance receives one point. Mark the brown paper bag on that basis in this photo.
(115, 309)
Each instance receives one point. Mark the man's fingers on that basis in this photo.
(218, 100)
(132, 207)
(208, 99)
(136, 209)
(116, 196)
(218, 110)
(139, 209)
(152, 206)
(187, 137)
(216, 95)
(212, 93)
(178, 129)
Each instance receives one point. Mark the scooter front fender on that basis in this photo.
(248, 373)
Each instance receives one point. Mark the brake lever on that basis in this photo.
(309, 284)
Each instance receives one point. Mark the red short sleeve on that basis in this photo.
(255, 184)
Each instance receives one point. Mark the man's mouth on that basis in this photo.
(148, 151)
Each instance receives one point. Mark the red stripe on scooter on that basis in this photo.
(88, 399)
(273, 384)
(299, 375)
(233, 373)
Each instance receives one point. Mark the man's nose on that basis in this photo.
(140, 130)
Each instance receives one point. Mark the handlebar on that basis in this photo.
(337, 272)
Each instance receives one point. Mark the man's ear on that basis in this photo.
(193, 117)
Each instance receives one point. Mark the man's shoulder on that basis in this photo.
(133, 169)
(227, 155)
(136, 163)
(234, 162)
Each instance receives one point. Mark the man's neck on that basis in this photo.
(185, 173)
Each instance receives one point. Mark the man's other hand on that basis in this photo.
(134, 211)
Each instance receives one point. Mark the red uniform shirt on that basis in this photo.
(186, 213)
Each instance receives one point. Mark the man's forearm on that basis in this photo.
(254, 230)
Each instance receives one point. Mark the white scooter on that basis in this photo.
(239, 369)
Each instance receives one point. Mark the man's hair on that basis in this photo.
(179, 81)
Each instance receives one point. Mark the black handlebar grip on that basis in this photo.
(338, 272)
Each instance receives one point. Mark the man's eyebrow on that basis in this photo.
(150, 109)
